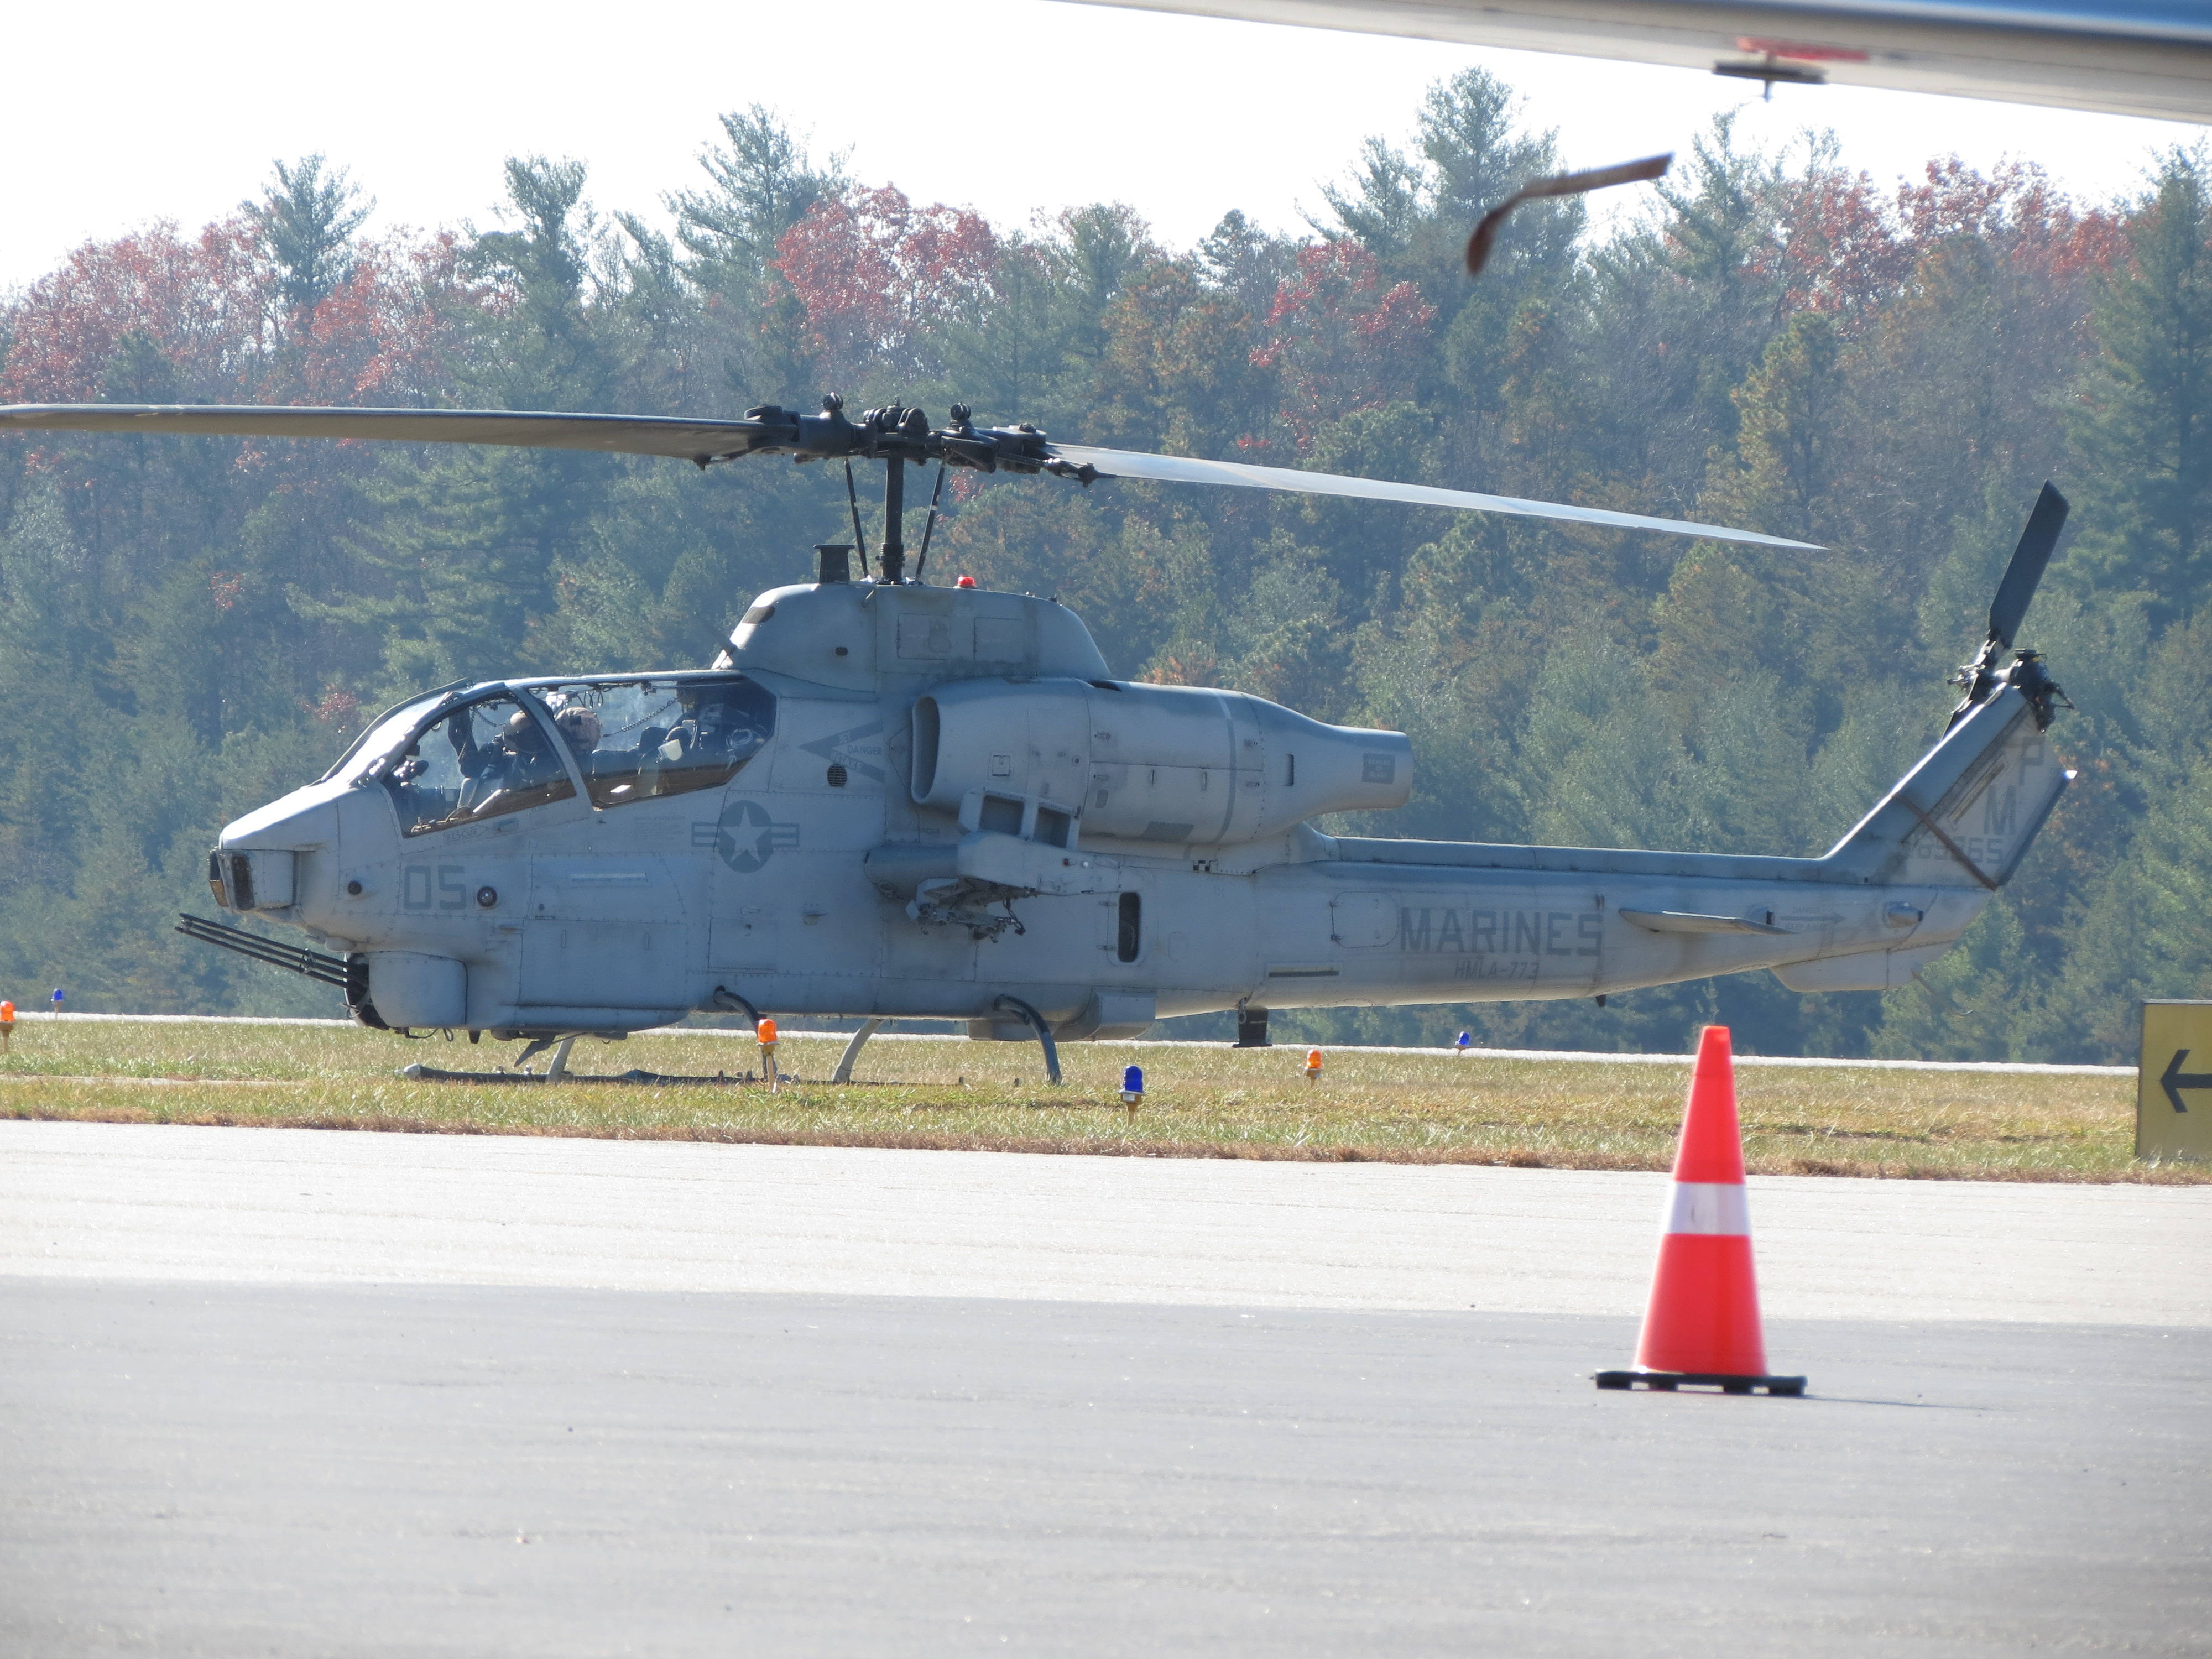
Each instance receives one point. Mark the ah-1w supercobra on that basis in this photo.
(888, 799)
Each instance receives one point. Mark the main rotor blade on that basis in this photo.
(2026, 570)
(702, 442)
(613, 435)
(1176, 469)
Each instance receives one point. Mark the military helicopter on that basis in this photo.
(892, 799)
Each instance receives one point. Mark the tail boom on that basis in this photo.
(1450, 921)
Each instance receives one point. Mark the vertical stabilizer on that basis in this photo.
(1968, 810)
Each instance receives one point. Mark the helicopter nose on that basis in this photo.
(301, 822)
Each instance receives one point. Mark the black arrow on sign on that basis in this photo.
(2174, 1079)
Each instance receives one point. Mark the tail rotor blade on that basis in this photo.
(2026, 569)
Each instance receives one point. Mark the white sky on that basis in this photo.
(136, 111)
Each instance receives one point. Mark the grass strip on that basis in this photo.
(1406, 1107)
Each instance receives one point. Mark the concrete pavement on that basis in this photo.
(303, 1206)
(300, 1393)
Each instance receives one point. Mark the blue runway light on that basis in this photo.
(1465, 1041)
(1133, 1086)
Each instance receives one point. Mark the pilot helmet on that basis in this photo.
(580, 725)
(521, 731)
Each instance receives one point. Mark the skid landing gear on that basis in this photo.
(844, 1071)
(557, 1070)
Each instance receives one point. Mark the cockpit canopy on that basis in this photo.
(463, 755)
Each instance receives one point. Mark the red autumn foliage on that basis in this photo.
(1843, 249)
(2017, 207)
(874, 272)
(1840, 248)
(1340, 340)
(209, 308)
(335, 708)
(202, 301)
(382, 337)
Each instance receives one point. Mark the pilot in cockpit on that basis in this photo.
(520, 760)
(581, 730)
(418, 801)
(705, 734)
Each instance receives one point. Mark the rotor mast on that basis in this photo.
(894, 511)
(899, 436)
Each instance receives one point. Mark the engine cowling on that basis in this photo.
(1164, 763)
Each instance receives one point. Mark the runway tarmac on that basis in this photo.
(307, 1206)
(291, 1392)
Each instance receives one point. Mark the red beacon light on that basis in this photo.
(965, 582)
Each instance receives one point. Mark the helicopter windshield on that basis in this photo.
(636, 740)
(487, 758)
(362, 758)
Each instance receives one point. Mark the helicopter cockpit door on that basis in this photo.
(487, 767)
(608, 925)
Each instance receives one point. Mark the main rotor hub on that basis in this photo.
(896, 435)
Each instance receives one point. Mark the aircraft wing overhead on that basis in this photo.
(2149, 57)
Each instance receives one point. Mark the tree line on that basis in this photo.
(189, 627)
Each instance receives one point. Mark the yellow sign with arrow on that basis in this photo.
(2173, 1089)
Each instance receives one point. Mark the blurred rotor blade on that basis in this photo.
(615, 434)
(1176, 469)
(778, 432)
(2026, 570)
(1559, 184)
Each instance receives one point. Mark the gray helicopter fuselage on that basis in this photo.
(912, 801)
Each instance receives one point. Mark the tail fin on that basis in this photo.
(1975, 801)
(1968, 810)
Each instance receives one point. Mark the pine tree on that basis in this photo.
(2145, 413)
(1788, 411)
(760, 185)
(307, 219)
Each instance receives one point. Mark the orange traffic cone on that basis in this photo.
(1702, 1324)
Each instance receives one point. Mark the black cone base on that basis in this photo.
(1668, 1382)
